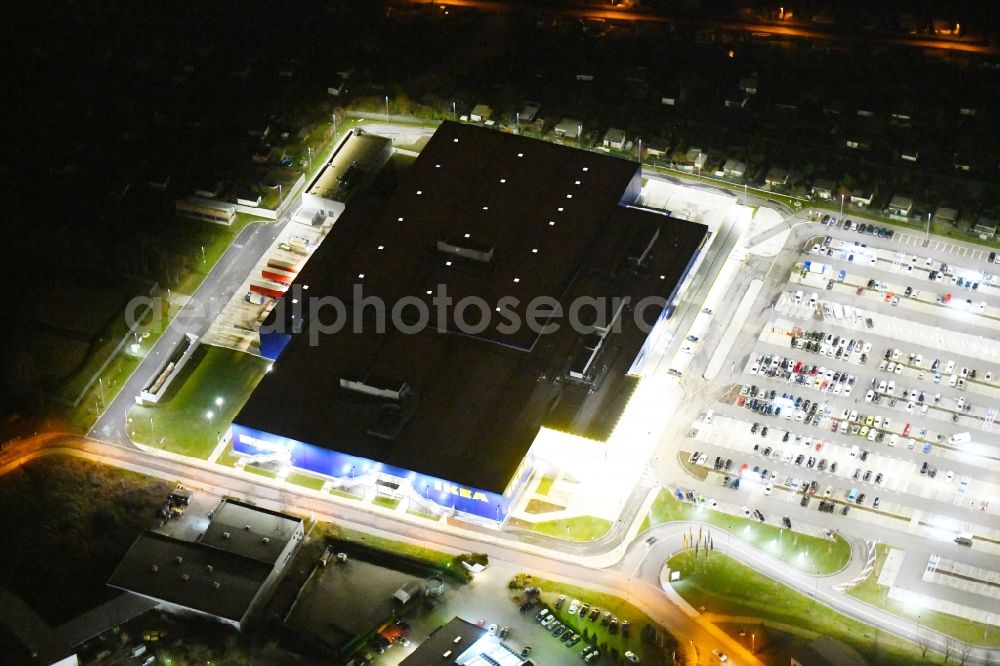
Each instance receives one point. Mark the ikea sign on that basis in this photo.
(458, 491)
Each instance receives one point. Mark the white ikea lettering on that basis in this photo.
(453, 489)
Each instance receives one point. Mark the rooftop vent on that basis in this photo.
(467, 248)
(179, 559)
(265, 540)
(225, 535)
(209, 568)
(185, 577)
(247, 527)
(155, 568)
(216, 584)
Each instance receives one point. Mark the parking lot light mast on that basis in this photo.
(928, 233)
(842, 207)
(387, 107)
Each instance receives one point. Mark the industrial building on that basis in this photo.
(460, 642)
(225, 574)
(429, 409)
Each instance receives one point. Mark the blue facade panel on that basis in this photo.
(482, 503)
(273, 343)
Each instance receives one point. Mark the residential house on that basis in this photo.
(568, 128)
(985, 226)
(776, 177)
(480, 113)
(863, 195)
(823, 188)
(614, 139)
(949, 215)
(733, 168)
(900, 206)
(529, 112)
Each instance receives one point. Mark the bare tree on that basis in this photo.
(949, 648)
(963, 653)
(924, 642)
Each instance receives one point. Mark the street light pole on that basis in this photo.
(928, 234)
(387, 107)
(841, 207)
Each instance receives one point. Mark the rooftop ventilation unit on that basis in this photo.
(377, 388)
(466, 248)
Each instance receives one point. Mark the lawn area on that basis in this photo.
(804, 552)
(582, 528)
(726, 587)
(227, 457)
(385, 502)
(343, 493)
(964, 630)
(305, 480)
(260, 471)
(181, 421)
(434, 558)
(594, 632)
(545, 485)
(421, 514)
(67, 522)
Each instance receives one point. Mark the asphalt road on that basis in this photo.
(195, 317)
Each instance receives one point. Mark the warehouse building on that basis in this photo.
(225, 574)
(431, 408)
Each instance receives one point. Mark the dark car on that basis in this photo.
(613, 627)
(594, 614)
(786, 521)
(626, 628)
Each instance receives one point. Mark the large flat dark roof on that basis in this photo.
(477, 401)
(453, 639)
(186, 573)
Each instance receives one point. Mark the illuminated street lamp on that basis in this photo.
(219, 401)
(386, 107)
(209, 415)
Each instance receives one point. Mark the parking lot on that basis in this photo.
(868, 397)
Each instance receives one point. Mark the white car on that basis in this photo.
(632, 656)
(493, 630)
(949, 476)
(768, 488)
(720, 655)
(574, 607)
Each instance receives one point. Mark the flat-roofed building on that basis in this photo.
(225, 574)
(435, 407)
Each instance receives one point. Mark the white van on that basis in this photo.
(960, 438)
(798, 297)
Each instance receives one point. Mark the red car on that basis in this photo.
(744, 468)
(906, 430)
(947, 298)
(836, 424)
(819, 446)
(741, 400)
